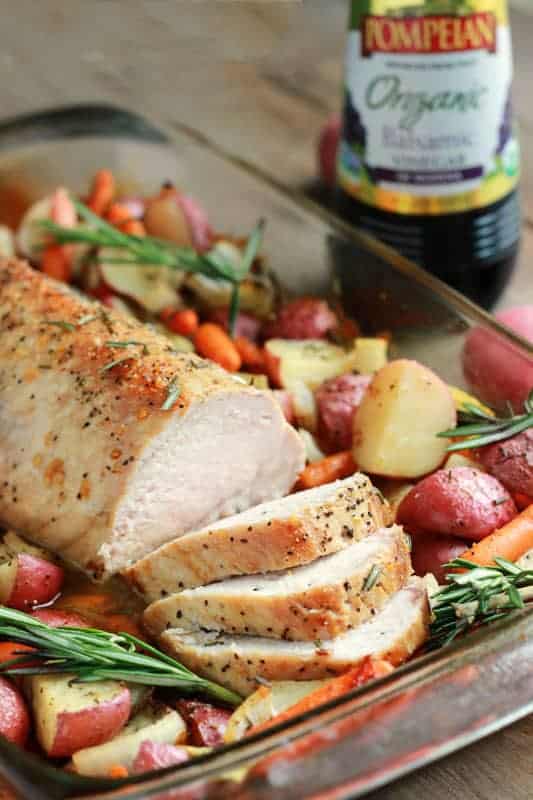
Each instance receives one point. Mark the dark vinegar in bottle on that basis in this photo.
(429, 160)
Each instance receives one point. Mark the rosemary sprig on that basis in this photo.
(476, 596)
(128, 343)
(135, 250)
(60, 323)
(372, 577)
(485, 428)
(95, 655)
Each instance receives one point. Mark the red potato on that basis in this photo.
(337, 400)
(206, 723)
(245, 325)
(328, 144)
(26, 580)
(287, 405)
(304, 318)
(511, 461)
(494, 369)
(71, 716)
(56, 618)
(14, 716)
(460, 502)
(178, 218)
(157, 755)
(429, 553)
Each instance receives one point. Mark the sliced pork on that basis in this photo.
(111, 442)
(273, 536)
(239, 661)
(318, 601)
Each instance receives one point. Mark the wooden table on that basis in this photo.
(259, 77)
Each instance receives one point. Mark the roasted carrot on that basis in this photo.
(211, 341)
(93, 602)
(122, 623)
(331, 468)
(133, 227)
(117, 214)
(184, 321)
(117, 771)
(9, 650)
(57, 262)
(510, 541)
(251, 355)
(367, 670)
(102, 191)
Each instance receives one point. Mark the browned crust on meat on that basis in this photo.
(53, 351)
(240, 672)
(321, 612)
(266, 546)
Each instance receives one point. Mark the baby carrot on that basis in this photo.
(57, 262)
(117, 771)
(510, 541)
(331, 468)
(133, 227)
(184, 321)
(9, 650)
(251, 355)
(367, 670)
(102, 191)
(117, 213)
(211, 341)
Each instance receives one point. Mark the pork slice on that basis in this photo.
(238, 661)
(273, 536)
(102, 462)
(318, 601)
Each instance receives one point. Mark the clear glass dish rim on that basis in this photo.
(263, 743)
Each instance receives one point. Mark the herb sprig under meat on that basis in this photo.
(95, 655)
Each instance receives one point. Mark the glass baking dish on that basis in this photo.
(438, 702)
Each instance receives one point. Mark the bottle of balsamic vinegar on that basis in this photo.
(429, 160)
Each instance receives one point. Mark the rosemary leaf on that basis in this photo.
(482, 429)
(372, 578)
(128, 343)
(173, 392)
(60, 323)
(115, 363)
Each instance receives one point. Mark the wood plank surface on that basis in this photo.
(260, 78)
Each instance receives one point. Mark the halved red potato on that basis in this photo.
(429, 553)
(156, 755)
(461, 501)
(14, 716)
(337, 400)
(27, 580)
(303, 318)
(511, 461)
(157, 724)
(206, 723)
(70, 716)
(396, 425)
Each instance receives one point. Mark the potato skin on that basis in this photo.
(206, 723)
(37, 581)
(511, 462)
(156, 755)
(304, 318)
(429, 553)
(496, 371)
(14, 718)
(460, 502)
(337, 400)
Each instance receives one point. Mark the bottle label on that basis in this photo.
(427, 106)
